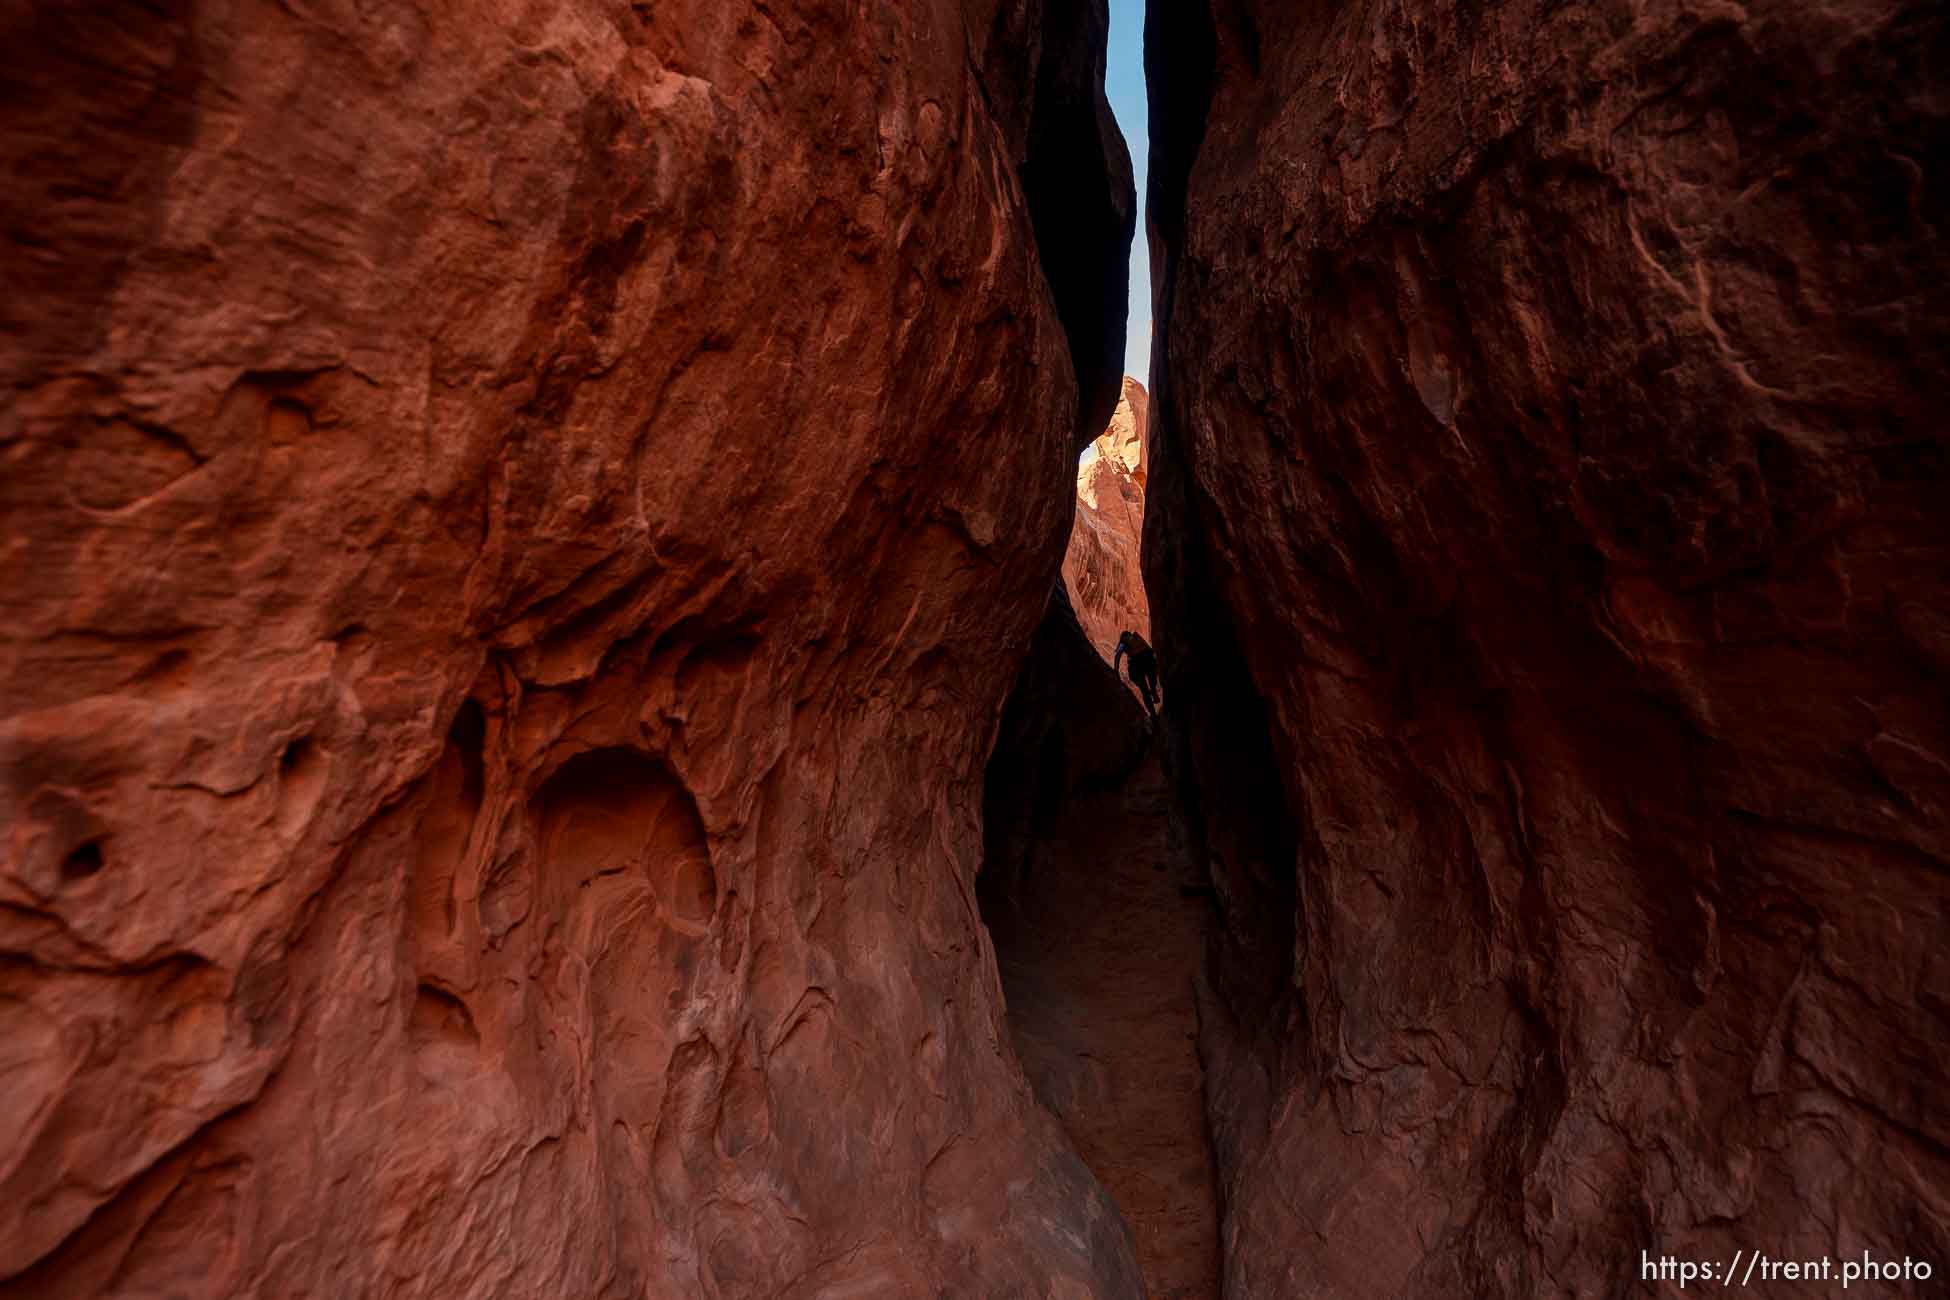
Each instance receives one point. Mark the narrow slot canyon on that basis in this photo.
(584, 583)
(1099, 949)
(1098, 914)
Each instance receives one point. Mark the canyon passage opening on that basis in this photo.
(1097, 912)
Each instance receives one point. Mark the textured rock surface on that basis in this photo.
(1547, 488)
(1126, 433)
(519, 521)
(1101, 567)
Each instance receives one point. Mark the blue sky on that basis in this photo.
(1124, 83)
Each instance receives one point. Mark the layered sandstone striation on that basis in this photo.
(519, 523)
(1545, 525)
(1100, 568)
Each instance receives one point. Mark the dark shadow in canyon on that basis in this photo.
(1228, 802)
(1099, 928)
(1077, 179)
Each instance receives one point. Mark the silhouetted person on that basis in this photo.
(1144, 669)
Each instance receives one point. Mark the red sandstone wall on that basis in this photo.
(519, 522)
(1100, 568)
(1548, 482)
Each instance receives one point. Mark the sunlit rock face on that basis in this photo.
(1547, 486)
(1123, 440)
(1100, 568)
(519, 523)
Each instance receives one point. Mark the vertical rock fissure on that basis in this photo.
(1098, 955)
(1082, 205)
(1099, 924)
(1099, 882)
(1091, 889)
